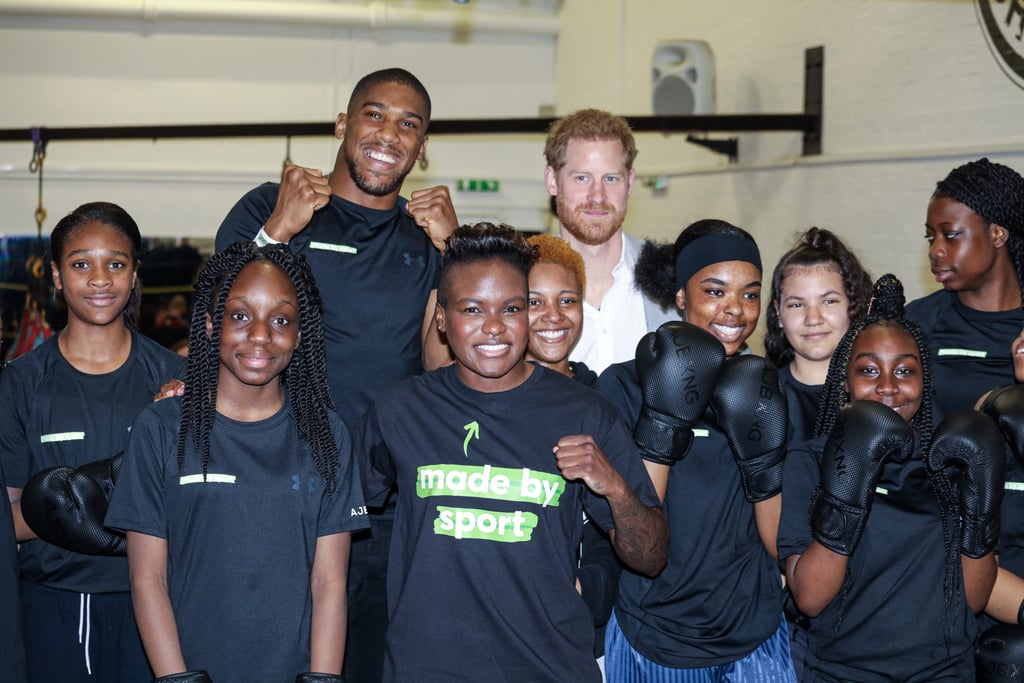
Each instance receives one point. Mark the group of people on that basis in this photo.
(400, 449)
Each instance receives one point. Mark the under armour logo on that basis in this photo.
(297, 484)
(409, 259)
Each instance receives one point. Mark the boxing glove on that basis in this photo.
(1005, 405)
(185, 677)
(999, 655)
(319, 678)
(677, 366)
(865, 435)
(751, 411)
(104, 472)
(967, 447)
(66, 506)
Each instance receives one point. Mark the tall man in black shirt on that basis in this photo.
(375, 256)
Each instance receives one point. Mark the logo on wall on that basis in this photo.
(1003, 22)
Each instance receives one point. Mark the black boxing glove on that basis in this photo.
(968, 448)
(104, 472)
(1005, 405)
(319, 678)
(185, 677)
(66, 506)
(999, 655)
(677, 366)
(865, 435)
(751, 410)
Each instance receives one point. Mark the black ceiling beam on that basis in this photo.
(809, 122)
(804, 123)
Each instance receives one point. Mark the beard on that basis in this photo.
(376, 188)
(589, 231)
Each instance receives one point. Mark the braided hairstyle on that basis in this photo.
(996, 193)
(815, 247)
(886, 310)
(304, 380)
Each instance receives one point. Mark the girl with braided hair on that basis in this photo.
(975, 233)
(239, 498)
(880, 559)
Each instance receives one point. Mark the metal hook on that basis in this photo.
(36, 166)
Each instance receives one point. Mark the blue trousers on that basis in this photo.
(769, 663)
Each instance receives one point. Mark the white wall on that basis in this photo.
(101, 72)
(911, 90)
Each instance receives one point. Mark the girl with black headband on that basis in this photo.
(715, 612)
(888, 524)
(975, 233)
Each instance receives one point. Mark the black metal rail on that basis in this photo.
(809, 122)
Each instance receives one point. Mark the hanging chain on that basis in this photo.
(36, 166)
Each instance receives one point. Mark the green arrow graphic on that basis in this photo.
(472, 432)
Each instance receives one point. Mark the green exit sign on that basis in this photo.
(477, 185)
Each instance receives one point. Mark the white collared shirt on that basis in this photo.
(610, 333)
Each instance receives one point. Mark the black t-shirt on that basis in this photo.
(888, 621)
(241, 545)
(582, 374)
(375, 270)
(802, 401)
(12, 642)
(970, 350)
(55, 415)
(1011, 530)
(599, 565)
(720, 596)
(481, 579)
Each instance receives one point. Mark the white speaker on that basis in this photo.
(683, 78)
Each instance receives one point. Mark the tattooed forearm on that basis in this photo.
(640, 536)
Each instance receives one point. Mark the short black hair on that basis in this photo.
(484, 242)
(390, 75)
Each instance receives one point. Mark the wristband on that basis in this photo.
(1020, 613)
(262, 239)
